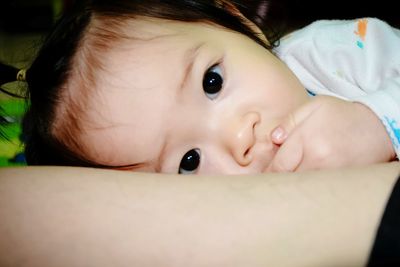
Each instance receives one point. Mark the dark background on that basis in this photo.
(18, 16)
(38, 15)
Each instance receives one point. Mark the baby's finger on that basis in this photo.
(288, 157)
(279, 135)
(286, 127)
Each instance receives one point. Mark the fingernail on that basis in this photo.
(279, 134)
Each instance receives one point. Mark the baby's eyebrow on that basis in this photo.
(188, 61)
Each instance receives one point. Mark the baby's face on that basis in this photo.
(189, 98)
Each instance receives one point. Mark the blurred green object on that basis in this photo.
(11, 143)
(23, 24)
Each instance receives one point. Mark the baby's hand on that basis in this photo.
(329, 132)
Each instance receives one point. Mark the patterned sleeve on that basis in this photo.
(382, 43)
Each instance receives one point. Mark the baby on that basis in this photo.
(202, 87)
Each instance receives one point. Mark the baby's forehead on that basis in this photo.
(154, 57)
(147, 40)
(152, 29)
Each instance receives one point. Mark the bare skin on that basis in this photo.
(57, 216)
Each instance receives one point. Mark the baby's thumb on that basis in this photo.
(288, 157)
(283, 130)
(291, 122)
(279, 135)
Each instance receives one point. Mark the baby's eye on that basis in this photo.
(213, 81)
(190, 162)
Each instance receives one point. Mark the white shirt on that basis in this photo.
(356, 60)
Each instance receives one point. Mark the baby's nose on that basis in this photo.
(239, 137)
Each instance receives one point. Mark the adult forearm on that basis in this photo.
(87, 217)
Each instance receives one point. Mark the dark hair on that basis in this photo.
(56, 62)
